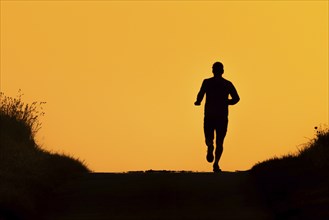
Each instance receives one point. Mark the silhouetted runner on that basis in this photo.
(217, 90)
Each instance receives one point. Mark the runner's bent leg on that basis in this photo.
(209, 130)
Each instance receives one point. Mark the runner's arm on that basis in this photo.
(234, 96)
(200, 94)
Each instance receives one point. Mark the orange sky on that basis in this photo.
(120, 78)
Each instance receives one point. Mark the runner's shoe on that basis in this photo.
(210, 155)
(216, 169)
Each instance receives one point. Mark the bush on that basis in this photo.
(296, 186)
(28, 174)
(19, 120)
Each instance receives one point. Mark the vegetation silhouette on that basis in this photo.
(295, 186)
(28, 173)
(217, 91)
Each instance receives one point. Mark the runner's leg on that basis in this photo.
(221, 129)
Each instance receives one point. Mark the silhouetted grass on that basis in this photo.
(28, 174)
(296, 186)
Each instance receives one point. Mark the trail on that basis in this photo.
(158, 195)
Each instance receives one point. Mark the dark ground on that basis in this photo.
(159, 195)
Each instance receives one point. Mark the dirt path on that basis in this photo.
(159, 196)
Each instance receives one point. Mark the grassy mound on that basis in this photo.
(28, 174)
(296, 186)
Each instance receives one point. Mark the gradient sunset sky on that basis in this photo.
(120, 77)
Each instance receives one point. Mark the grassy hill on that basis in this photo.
(293, 186)
(28, 174)
(297, 186)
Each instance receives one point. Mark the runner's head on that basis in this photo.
(218, 68)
